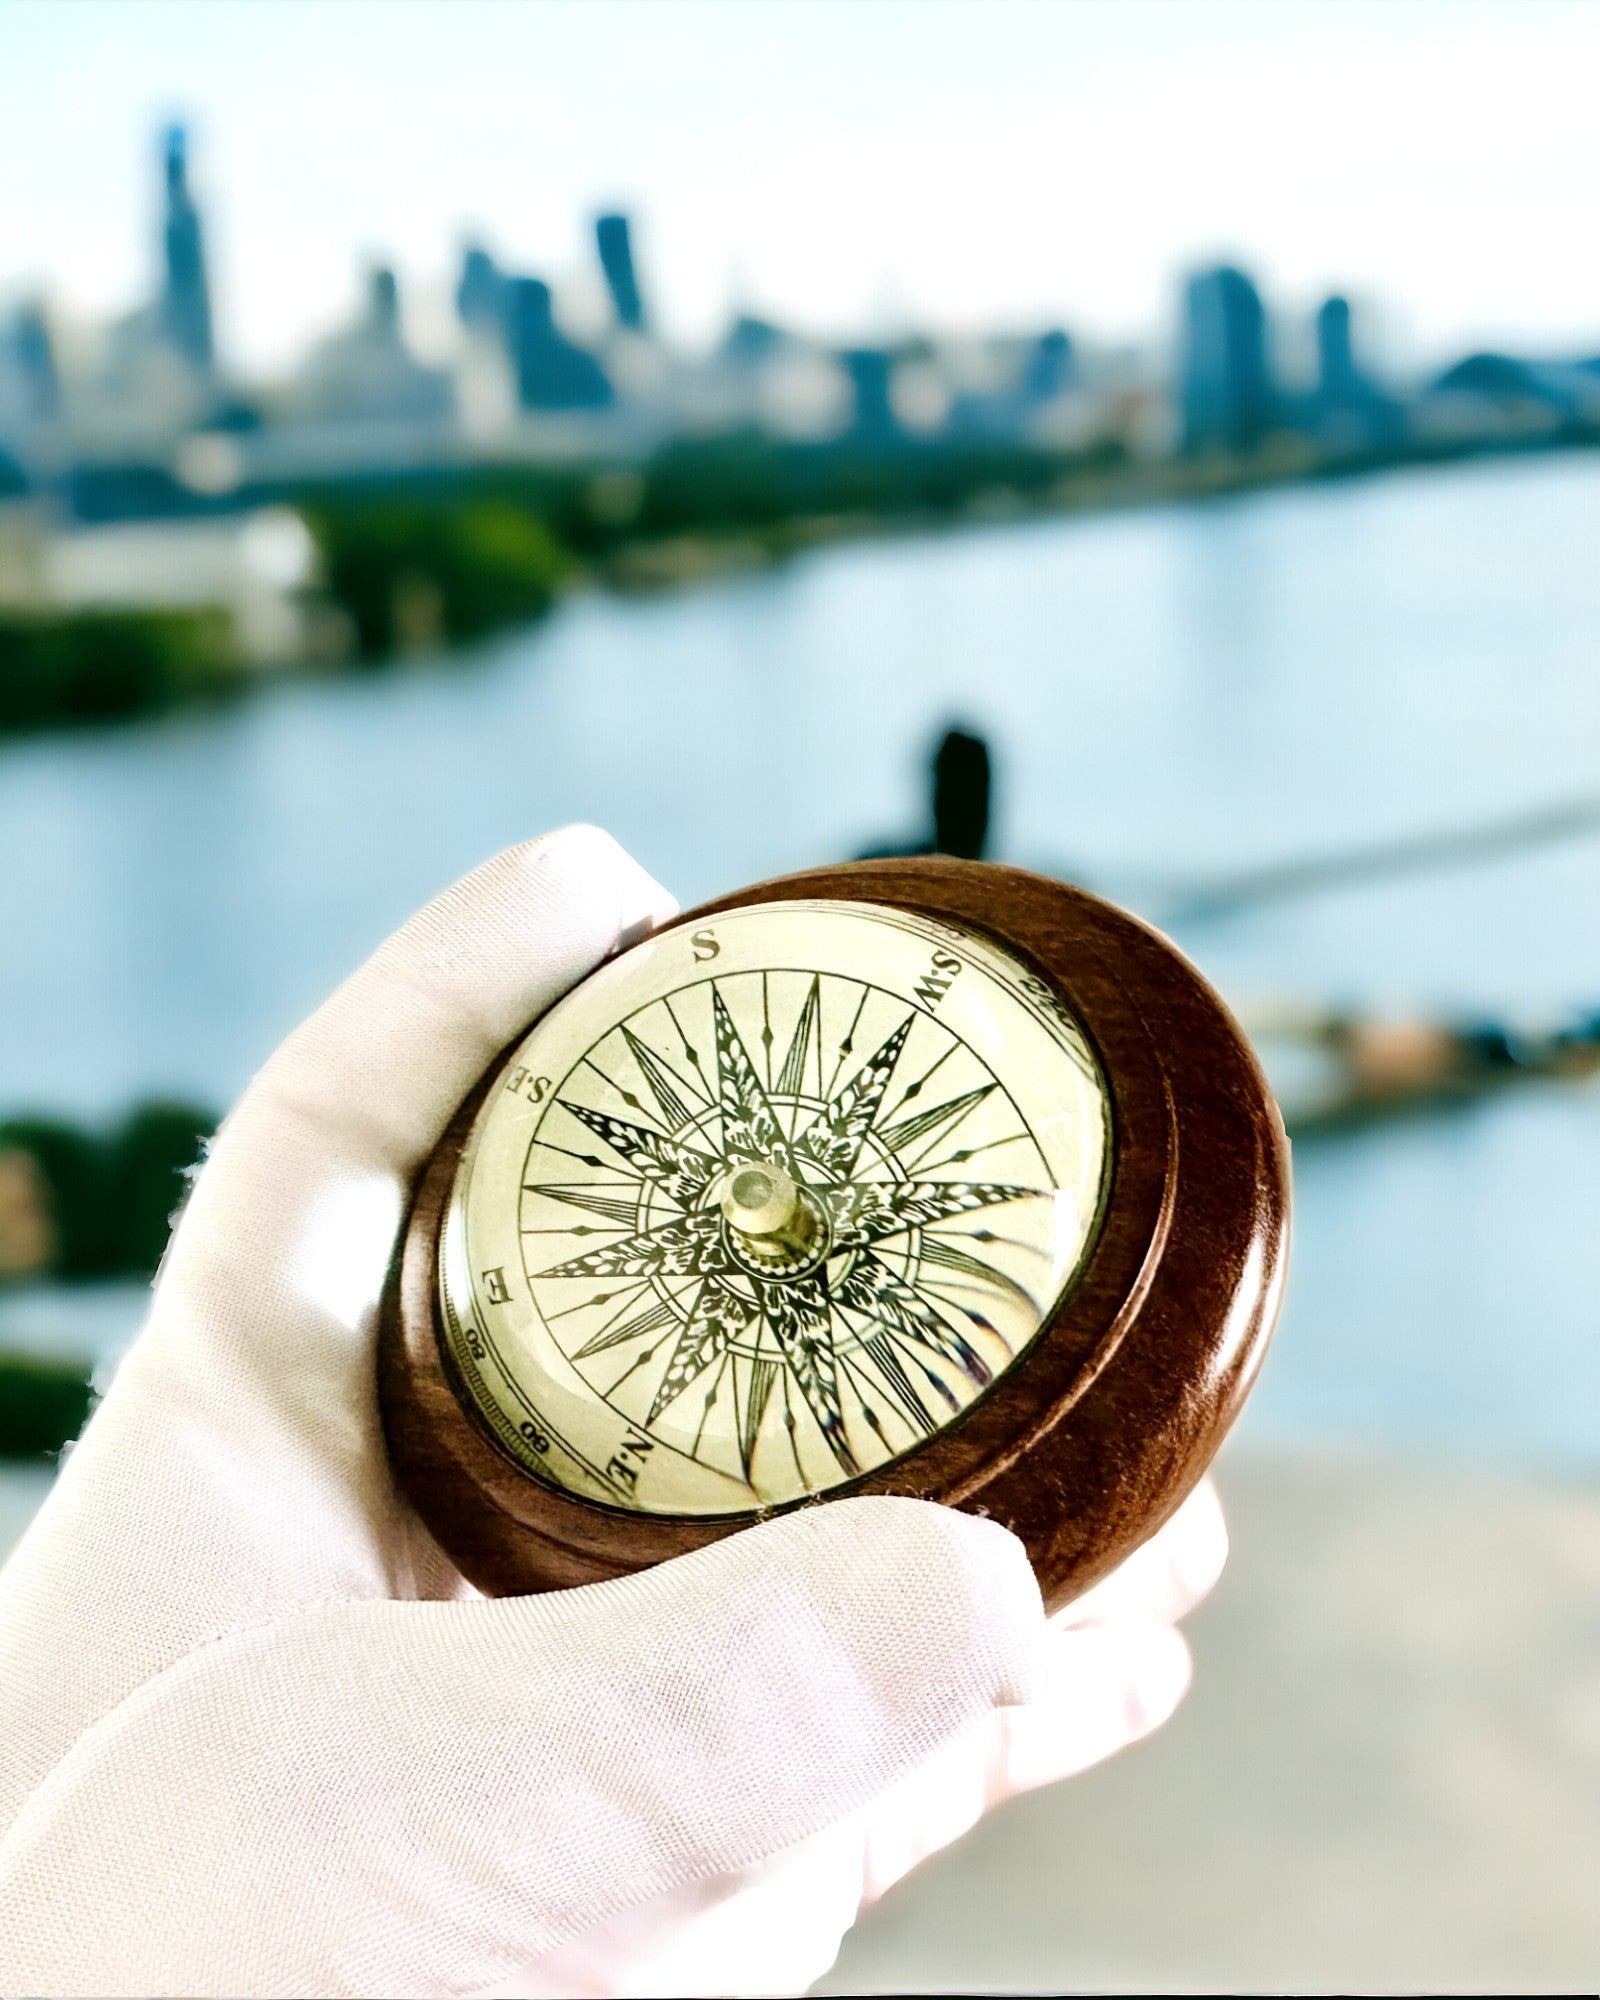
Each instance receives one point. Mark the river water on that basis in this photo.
(1172, 695)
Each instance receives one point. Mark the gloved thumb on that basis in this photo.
(399, 1798)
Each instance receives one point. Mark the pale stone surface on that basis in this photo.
(1386, 1778)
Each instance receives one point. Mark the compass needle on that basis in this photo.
(654, 1156)
(792, 1074)
(935, 1122)
(800, 1318)
(623, 1209)
(939, 1250)
(835, 1138)
(678, 1247)
(899, 1383)
(873, 1288)
(666, 1086)
(763, 1374)
(651, 1320)
(750, 1128)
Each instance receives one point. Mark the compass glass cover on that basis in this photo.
(763, 1205)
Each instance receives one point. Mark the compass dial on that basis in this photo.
(763, 1206)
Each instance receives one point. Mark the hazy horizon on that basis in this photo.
(850, 170)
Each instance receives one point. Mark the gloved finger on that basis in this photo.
(773, 1928)
(237, 1463)
(388, 1798)
(1104, 1687)
(1164, 1579)
(777, 1926)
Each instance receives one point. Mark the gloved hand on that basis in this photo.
(258, 1736)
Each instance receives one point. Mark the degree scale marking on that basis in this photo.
(887, 1332)
(463, 1331)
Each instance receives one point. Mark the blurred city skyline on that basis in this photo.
(853, 172)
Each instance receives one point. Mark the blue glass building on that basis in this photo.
(34, 360)
(552, 373)
(481, 290)
(184, 308)
(1228, 399)
(872, 416)
(1339, 382)
(613, 237)
(1048, 368)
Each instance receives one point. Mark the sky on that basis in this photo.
(853, 167)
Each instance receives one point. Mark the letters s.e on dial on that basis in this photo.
(768, 1203)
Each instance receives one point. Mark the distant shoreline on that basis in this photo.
(433, 560)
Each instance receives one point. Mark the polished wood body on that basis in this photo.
(1095, 1435)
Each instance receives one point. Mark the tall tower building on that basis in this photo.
(870, 373)
(1229, 403)
(184, 308)
(613, 237)
(1339, 382)
(551, 372)
(480, 291)
(1349, 409)
(1345, 389)
(35, 361)
(1048, 368)
(30, 391)
(383, 306)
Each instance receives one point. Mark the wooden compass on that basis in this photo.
(921, 1177)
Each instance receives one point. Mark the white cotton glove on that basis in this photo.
(257, 1734)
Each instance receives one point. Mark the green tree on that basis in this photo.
(43, 1405)
(112, 1198)
(488, 563)
(80, 667)
(148, 1162)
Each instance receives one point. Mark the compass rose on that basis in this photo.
(798, 1242)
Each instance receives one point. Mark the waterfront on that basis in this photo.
(1172, 696)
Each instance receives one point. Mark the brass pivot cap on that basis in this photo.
(776, 1227)
(761, 1201)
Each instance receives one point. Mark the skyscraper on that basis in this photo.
(750, 341)
(1048, 367)
(33, 355)
(30, 391)
(383, 305)
(871, 375)
(1338, 382)
(1348, 410)
(1229, 403)
(614, 239)
(365, 373)
(480, 291)
(184, 308)
(552, 373)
